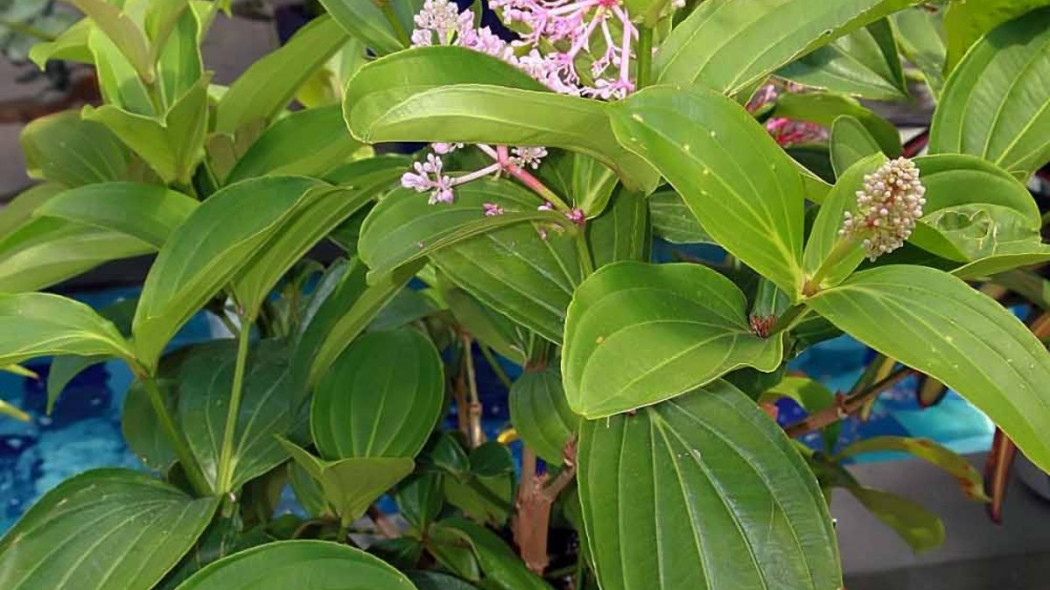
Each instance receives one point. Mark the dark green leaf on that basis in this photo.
(541, 415)
(503, 569)
(421, 499)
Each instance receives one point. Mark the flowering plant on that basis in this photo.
(560, 139)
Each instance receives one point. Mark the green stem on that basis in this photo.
(233, 412)
(176, 437)
(645, 56)
(584, 250)
(842, 248)
(494, 363)
(402, 35)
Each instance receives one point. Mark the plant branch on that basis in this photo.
(533, 505)
(845, 406)
(475, 434)
(233, 412)
(175, 436)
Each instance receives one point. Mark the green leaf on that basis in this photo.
(69, 150)
(204, 382)
(622, 232)
(307, 143)
(824, 108)
(966, 22)
(484, 489)
(107, 528)
(142, 430)
(172, 147)
(503, 569)
(205, 252)
(145, 211)
(421, 499)
(364, 20)
(996, 103)
(920, 528)
(40, 324)
(288, 565)
(20, 210)
(119, 82)
(455, 94)
(70, 45)
(485, 325)
(348, 307)
(175, 29)
(541, 414)
(850, 143)
(935, 323)
(729, 45)
(405, 227)
(921, 35)
(351, 485)
(65, 368)
(638, 334)
(428, 580)
(864, 63)
(589, 183)
(741, 186)
(270, 83)
(11, 411)
(381, 398)
(673, 221)
(957, 466)
(703, 491)
(122, 31)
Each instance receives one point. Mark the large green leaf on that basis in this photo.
(996, 103)
(67, 149)
(935, 323)
(270, 83)
(204, 383)
(742, 187)
(460, 95)
(148, 212)
(405, 227)
(365, 20)
(728, 45)
(966, 22)
(308, 143)
(41, 324)
(864, 63)
(121, 29)
(381, 398)
(293, 565)
(541, 414)
(638, 334)
(922, 40)
(703, 491)
(622, 231)
(204, 253)
(108, 528)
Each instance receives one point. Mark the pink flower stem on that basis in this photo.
(503, 161)
(478, 174)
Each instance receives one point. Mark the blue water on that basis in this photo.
(84, 430)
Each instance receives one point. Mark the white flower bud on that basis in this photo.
(887, 209)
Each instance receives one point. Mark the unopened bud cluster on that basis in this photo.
(887, 208)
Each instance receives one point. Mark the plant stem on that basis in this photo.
(846, 406)
(175, 437)
(843, 247)
(645, 56)
(584, 250)
(402, 35)
(494, 363)
(476, 434)
(233, 412)
(789, 319)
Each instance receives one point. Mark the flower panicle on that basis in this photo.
(888, 208)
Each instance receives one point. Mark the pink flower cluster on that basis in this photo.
(786, 132)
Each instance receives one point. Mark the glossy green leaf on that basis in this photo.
(107, 528)
(921, 35)
(824, 108)
(405, 227)
(122, 31)
(850, 143)
(364, 20)
(381, 398)
(996, 103)
(864, 63)
(66, 368)
(966, 22)
(70, 45)
(920, 528)
(957, 466)
(308, 143)
(270, 83)
(120, 83)
(703, 491)
(67, 149)
(935, 323)
(40, 324)
(205, 252)
(638, 334)
(484, 488)
(421, 499)
(673, 221)
(741, 186)
(204, 382)
(622, 231)
(292, 565)
(541, 414)
(460, 95)
(485, 325)
(502, 567)
(588, 183)
(348, 307)
(146, 211)
(729, 45)
(175, 29)
(351, 485)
